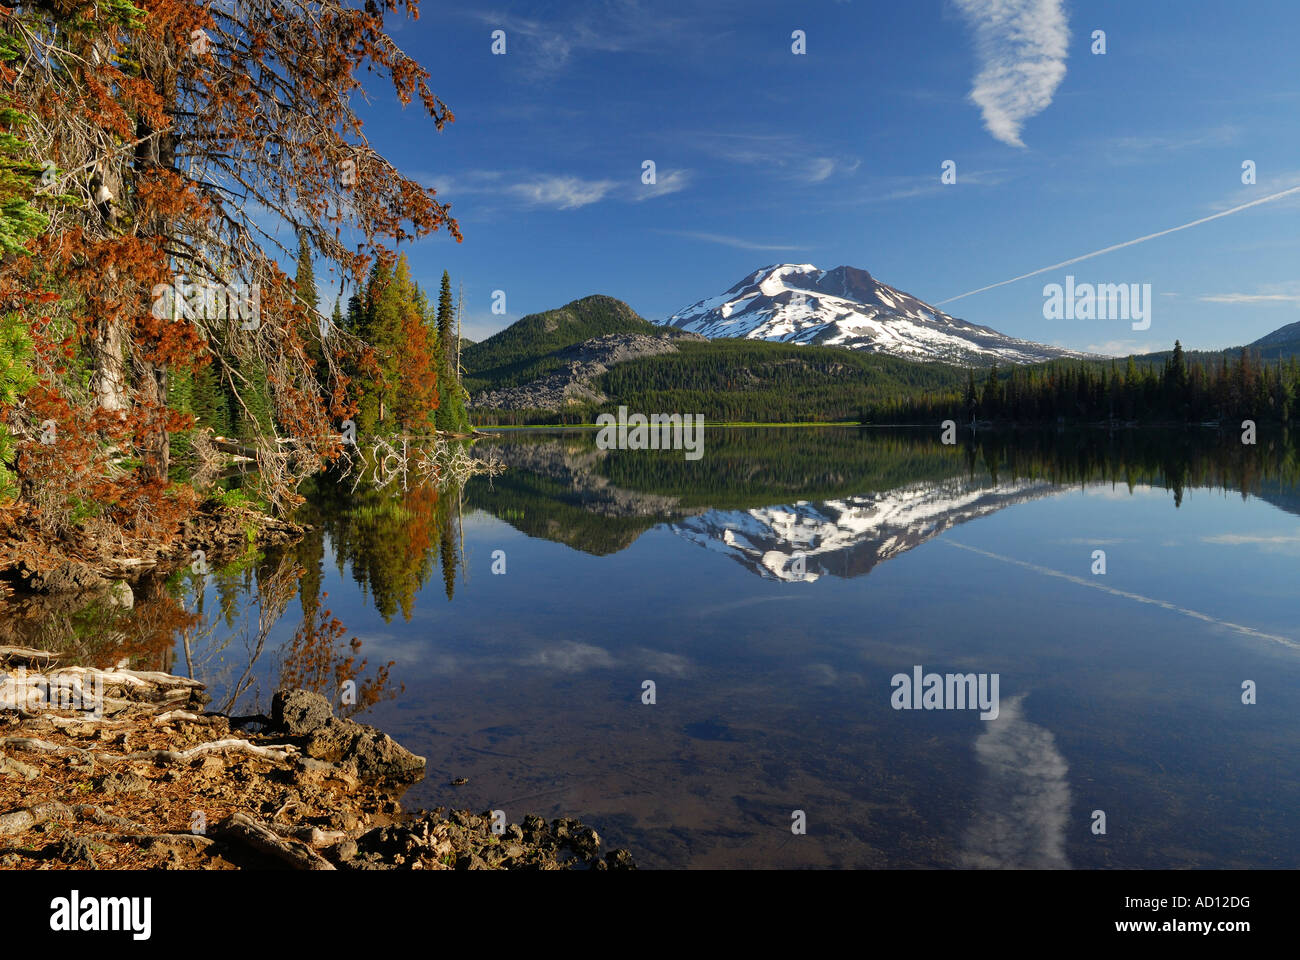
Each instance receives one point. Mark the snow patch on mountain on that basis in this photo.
(847, 307)
(849, 536)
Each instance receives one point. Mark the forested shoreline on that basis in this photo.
(741, 381)
(164, 166)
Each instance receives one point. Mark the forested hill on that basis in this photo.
(747, 380)
(538, 334)
(1281, 343)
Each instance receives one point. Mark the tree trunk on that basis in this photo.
(156, 151)
(108, 348)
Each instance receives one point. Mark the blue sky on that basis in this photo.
(834, 156)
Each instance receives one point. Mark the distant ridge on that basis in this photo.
(542, 333)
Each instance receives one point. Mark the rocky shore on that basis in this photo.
(122, 769)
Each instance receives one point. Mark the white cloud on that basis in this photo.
(817, 169)
(1021, 46)
(1281, 181)
(785, 155)
(569, 657)
(1023, 807)
(1245, 298)
(672, 181)
(543, 48)
(1266, 294)
(552, 190)
(1122, 348)
(907, 188)
(1264, 539)
(561, 193)
(729, 241)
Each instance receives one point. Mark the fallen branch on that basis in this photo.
(282, 753)
(19, 821)
(292, 852)
(172, 715)
(313, 836)
(26, 654)
(34, 745)
(85, 811)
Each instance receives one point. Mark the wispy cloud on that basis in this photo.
(1268, 294)
(568, 657)
(671, 181)
(1023, 808)
(1263, 539)
(561, 193)
(1268, 183)
(728, 240)
(554, 191)
(908, 188)
(1122, 348)
(1251, 298)
(543, 48)
(789, 157)
(1021, 46)
(1134, 149)
(817, 169)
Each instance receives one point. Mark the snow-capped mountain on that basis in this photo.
(847, 307)
(850, 536)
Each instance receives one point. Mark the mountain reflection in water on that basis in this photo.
(505, 631)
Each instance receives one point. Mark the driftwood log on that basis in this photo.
(244, 829)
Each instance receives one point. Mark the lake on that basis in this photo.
(693, 656)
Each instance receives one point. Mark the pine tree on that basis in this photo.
(15, 378)
(415, 367)
(990, 398)
(445, 316)
(210, 403)
(451, 411)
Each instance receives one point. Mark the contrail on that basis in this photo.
(1127, 243)
(1048, 571)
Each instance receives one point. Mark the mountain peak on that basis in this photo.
(848, 307)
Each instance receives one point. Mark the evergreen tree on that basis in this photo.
(447, 546)
(15, 378)
(451, 415)
(990, 402)
(415, 366)
(209, 403)
(446, 314)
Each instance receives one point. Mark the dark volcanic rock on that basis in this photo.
(373, 754)
(299, 712)
(376, 755)
(465, 841)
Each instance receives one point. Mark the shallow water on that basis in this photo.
(1119, 692)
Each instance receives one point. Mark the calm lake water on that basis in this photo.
(771, 591)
